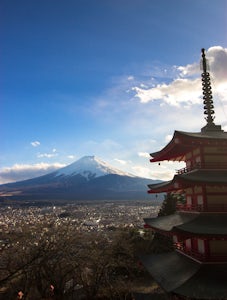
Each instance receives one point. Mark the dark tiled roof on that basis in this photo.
(205, 223)
(167, 223)
(191, 223)
(179, 274)
(217, 134)
(195, 176)
(208, 283)
(170, 270)
(209, 176)
(184, 141)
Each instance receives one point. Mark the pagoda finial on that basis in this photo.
(207, 92)
(208, 98)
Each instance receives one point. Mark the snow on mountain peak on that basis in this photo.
(90, 167)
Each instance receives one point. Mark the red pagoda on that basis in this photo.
(197, 268)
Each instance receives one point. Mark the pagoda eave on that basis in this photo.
(187, 224)
(195, 177)
(183, 142)
(177, 274)
(167, 223)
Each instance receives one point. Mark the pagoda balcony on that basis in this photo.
(203, 257)
(202, 208)
(204, 166)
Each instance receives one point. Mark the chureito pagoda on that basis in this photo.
(197, 268)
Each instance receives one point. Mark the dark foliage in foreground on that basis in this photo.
(58, 262)
(51, 261)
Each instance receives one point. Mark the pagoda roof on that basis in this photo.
(181, 181)
(182, 142)
(179, 274)
(191, 223)
(167, 223)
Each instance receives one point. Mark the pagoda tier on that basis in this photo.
(190, 224)
(201, 236)
(196, 177)
(194, 144)
(202, 190)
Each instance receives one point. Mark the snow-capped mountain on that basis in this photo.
(90, 167)
(89, 178)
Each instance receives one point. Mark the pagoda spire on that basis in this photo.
(207, 96)
(207, 91)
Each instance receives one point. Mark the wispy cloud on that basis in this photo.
(144, 154)
(121, 161)
(142, 171)
(35, 143)
(186, 89)
(25, 171)
(179, 91)
(48, 155)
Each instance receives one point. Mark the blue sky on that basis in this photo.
(111, 78)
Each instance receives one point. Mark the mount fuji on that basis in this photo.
(89, 178)
(90, 167)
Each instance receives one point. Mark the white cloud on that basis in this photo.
(144, 154)
(189, 70)
(47, 155)
(35, 143)
(142, 171)
(217, 59)
(168, 138)
(180, 90)
(121, 161)
(20, 172)
(186, 87)
(164, 170)
(130, 77)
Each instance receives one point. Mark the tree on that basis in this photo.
(51, 260)
(168, 206)
(161, 242)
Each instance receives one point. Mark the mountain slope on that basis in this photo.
(89, 178)
(90, 167)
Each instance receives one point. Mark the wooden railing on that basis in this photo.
(188, 207)
(205, 166)
(202, 208)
